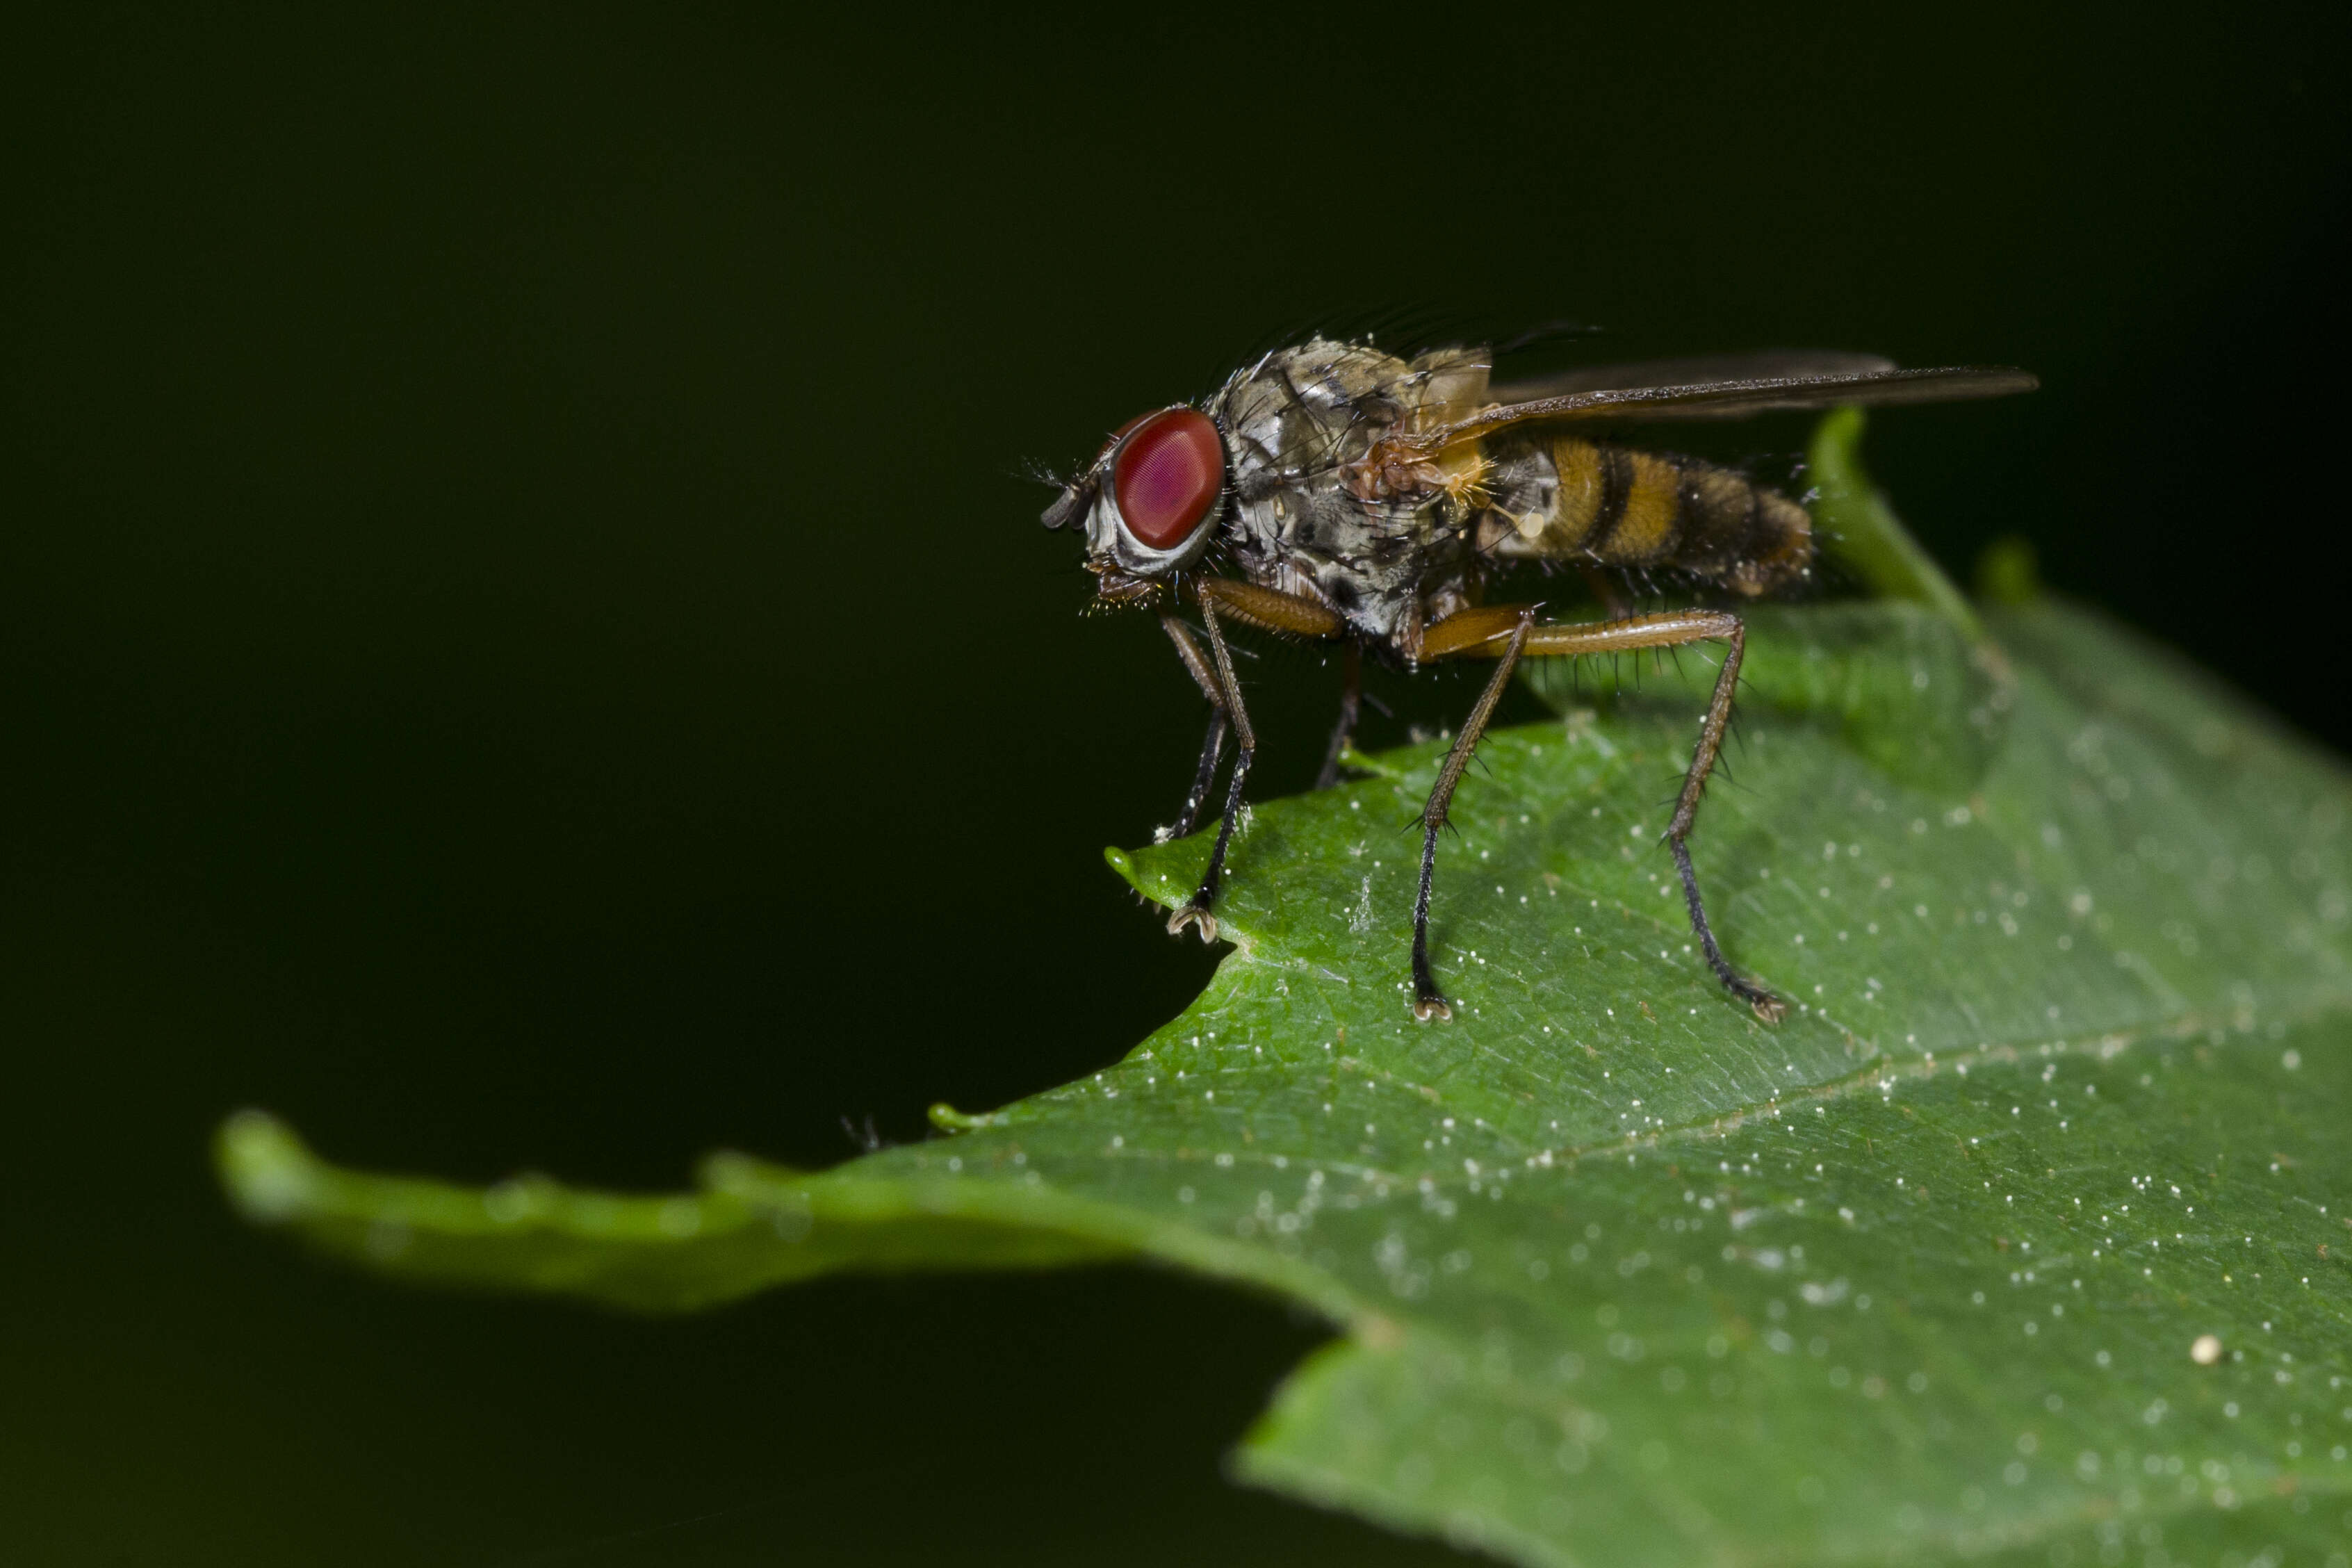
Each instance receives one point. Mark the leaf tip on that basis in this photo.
(270, 1176)
(1855, 523)
(948, 1118)
(2007, 573)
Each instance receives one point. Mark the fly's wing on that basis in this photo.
(1690, 370)
(1738, 397)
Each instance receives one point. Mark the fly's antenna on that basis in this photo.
(1037, 471)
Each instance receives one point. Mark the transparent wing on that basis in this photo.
(1691, 370)
(1740, 397)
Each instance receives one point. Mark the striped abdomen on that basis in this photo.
(1566, 498)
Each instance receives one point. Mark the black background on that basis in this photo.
(524, 643)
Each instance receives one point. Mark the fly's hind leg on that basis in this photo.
(1481, 638)
(1768, 1006)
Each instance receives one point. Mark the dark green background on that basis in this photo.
(526, 645)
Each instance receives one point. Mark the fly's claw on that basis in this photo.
(1767, 1007)
(1424, 1008)
(1193, 915)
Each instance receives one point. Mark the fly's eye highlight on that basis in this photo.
(1169, 471)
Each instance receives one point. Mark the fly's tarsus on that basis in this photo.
(1428, 1001)
(1195, 913)
(1769, 1008)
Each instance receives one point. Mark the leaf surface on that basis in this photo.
(2023, 1237)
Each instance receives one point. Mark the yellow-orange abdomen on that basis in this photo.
(1570, 499)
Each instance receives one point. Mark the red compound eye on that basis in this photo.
(1169, 471)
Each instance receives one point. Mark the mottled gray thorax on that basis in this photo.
(1294, 423)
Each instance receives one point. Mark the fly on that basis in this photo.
(1336, 492)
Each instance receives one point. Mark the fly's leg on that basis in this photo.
(1213, 750)
(1605, 588)
(1427, 1001)
(1711, 729)
(1351, 697)
(1268, 609)
(1204, 897)
(1477, 633)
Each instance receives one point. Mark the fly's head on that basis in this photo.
(1149, 502)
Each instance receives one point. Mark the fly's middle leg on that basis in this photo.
(1351, 700)
(1428, 1001)
(1195, 912)
(1606, 590)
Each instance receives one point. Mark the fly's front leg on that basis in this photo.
(1351, 699)
(1268, 609)
(1213, 750)
(1427, 1001)
(1204, 897)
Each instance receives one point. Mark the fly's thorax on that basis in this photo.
(1310, 517)
(1565, 498)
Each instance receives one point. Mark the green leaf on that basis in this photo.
(2024, 1238)
(1857, 526)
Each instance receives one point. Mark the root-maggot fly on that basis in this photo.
(1335, 491)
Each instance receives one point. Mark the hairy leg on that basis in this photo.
(1474, 634)
(1428, 1001)
(1196, 911)
(1351, 699)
